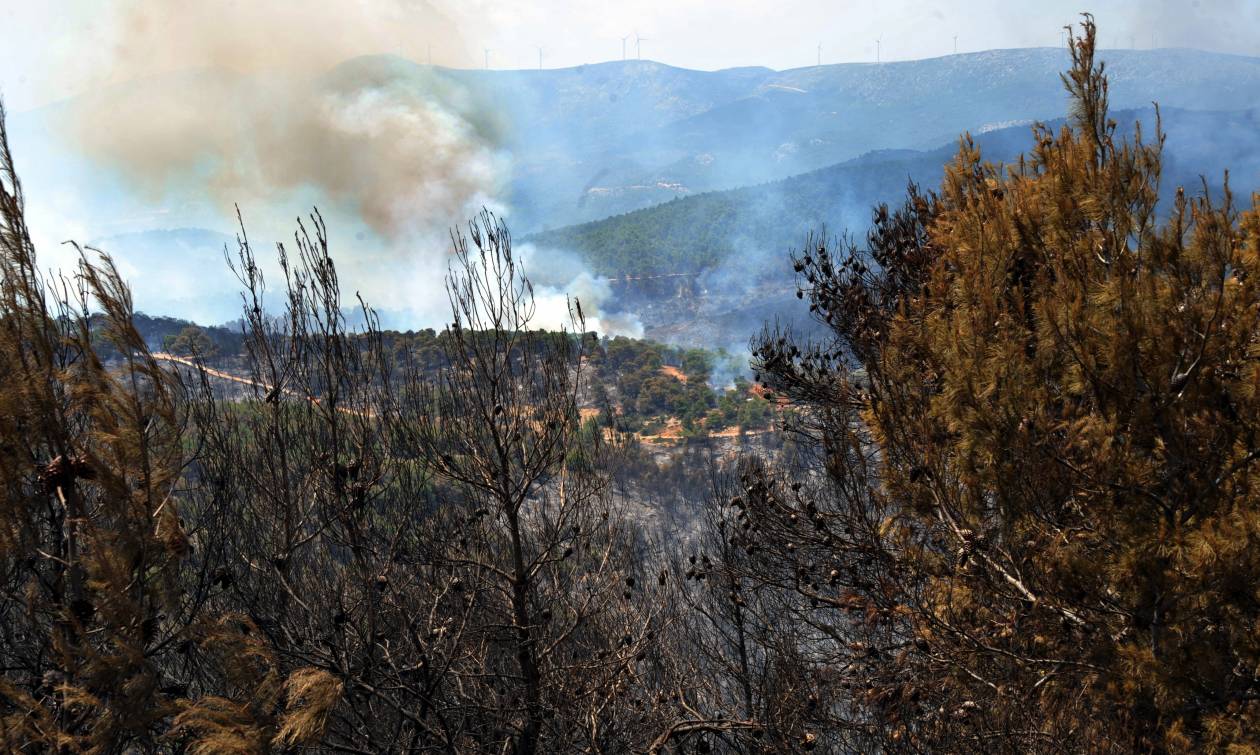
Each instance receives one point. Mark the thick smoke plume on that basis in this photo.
(275, 106)
(264, 107)
(378, 143)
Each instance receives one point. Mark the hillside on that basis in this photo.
(637, 387)
(754, 226)
(602, 139)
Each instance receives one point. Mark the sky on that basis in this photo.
(59, 48)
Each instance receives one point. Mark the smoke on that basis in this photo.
(559, 278)
(729, 364)
(250, 36)
(270, 105)
(264, 111)
(384, 145)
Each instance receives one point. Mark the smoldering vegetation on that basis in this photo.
(322, 559)
(1012, 509)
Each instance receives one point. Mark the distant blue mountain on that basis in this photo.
(751, 228)
(591, 141)
(602, 140)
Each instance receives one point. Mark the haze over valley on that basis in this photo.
(606, 171)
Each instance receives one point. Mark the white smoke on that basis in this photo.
(560, 279)
(263, 105)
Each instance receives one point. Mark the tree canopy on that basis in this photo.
(1040, 424)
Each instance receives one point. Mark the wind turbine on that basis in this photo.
(877, 43)
(487, 58)
(539, 58)
(623, 46)
(638, 53)
(955, 44)
(820, 53)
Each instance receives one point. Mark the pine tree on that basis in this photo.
(99, 638)
(1039, 422)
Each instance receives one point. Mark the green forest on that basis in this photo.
(690, 235)
(743, 226)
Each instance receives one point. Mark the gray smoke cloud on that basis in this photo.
(269, 105)
(561, 277)
(262, 112)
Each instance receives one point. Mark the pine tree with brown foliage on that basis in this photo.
(1034, 525)
(98, 624)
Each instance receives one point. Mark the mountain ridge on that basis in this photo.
(688, 235)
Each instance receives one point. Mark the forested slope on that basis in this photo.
(753, 226)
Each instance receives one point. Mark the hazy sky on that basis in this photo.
(52, 49)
